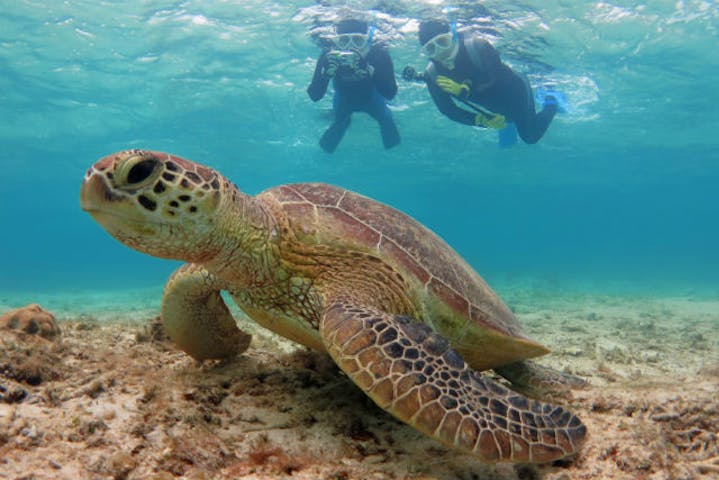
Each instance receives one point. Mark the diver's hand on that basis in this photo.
(457, 89)
(333, 63)
(361, 68)
(495, 121)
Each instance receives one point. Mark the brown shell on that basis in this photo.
(325, 214)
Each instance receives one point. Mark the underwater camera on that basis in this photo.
(411, 75)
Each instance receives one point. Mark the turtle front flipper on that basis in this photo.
(413, 373)
(196, 318)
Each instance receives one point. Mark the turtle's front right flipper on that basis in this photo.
(413, 373)
(196, 318)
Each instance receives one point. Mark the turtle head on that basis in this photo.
(156, 203)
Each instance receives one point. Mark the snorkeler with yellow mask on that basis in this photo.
(469, 69)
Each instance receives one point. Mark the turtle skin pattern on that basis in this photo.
(413, 373)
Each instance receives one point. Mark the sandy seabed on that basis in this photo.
(113, 399)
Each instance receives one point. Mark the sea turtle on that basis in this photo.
(399, 311)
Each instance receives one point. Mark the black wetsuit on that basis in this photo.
(493, 86)
(355, 94)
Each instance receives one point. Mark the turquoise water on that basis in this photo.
(621, 194)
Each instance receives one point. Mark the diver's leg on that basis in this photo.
(531, 126)
(333, 135)
(379, 110)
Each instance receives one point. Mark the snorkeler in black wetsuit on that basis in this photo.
(469, 69)
(363, 80)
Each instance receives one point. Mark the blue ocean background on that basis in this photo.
(621, 195)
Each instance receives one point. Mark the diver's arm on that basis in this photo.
(383, 75)
(446, 105)
(320, 80)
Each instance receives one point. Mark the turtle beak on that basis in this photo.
(95, 193)
(92, 189)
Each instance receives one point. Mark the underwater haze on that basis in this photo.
(621, 194)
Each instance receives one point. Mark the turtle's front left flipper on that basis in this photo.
(196, 318)
(414, 374)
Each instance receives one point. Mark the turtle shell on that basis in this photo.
(455, 300)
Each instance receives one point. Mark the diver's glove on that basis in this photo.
(494, 121)
(361, 68)
(333, 63)
(457, 89)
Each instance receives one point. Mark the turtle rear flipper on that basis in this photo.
(534, 379)
(414, 374)
(196, 318)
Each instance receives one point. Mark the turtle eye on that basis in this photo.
(141, 171)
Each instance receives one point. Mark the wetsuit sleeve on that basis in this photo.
(318, 86)
(383, 76)
(444, 101)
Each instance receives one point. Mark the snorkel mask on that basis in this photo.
(443, 47)
(359, 42)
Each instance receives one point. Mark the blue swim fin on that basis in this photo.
(507, 135)
(541, 94)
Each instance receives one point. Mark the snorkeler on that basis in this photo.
(363, 80)
(469, 69)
